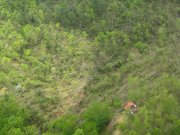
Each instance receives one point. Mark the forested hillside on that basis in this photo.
(67, 67)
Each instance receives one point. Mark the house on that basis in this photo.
(130, 107)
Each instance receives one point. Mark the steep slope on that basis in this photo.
(43, 66)
(71, 65)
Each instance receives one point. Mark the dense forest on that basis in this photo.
(67, 67)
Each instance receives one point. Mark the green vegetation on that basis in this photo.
(92, 121)
(16, 120)
(159, 109)
(68, 66)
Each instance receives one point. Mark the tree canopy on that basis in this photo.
(68, 66)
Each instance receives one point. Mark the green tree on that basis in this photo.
(15, 120)
(66, 125)
(79, 132)
(99, 113)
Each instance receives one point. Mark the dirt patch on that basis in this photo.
(3, 91)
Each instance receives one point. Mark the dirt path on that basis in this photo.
(118, 118)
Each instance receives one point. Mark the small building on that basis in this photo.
(130, 107)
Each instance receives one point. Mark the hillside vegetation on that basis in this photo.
(68, 66)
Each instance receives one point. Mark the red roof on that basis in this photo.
(128, 105)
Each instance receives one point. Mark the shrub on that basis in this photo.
(99, 113)
(65, 125)
(141, 46)
(79, 132)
